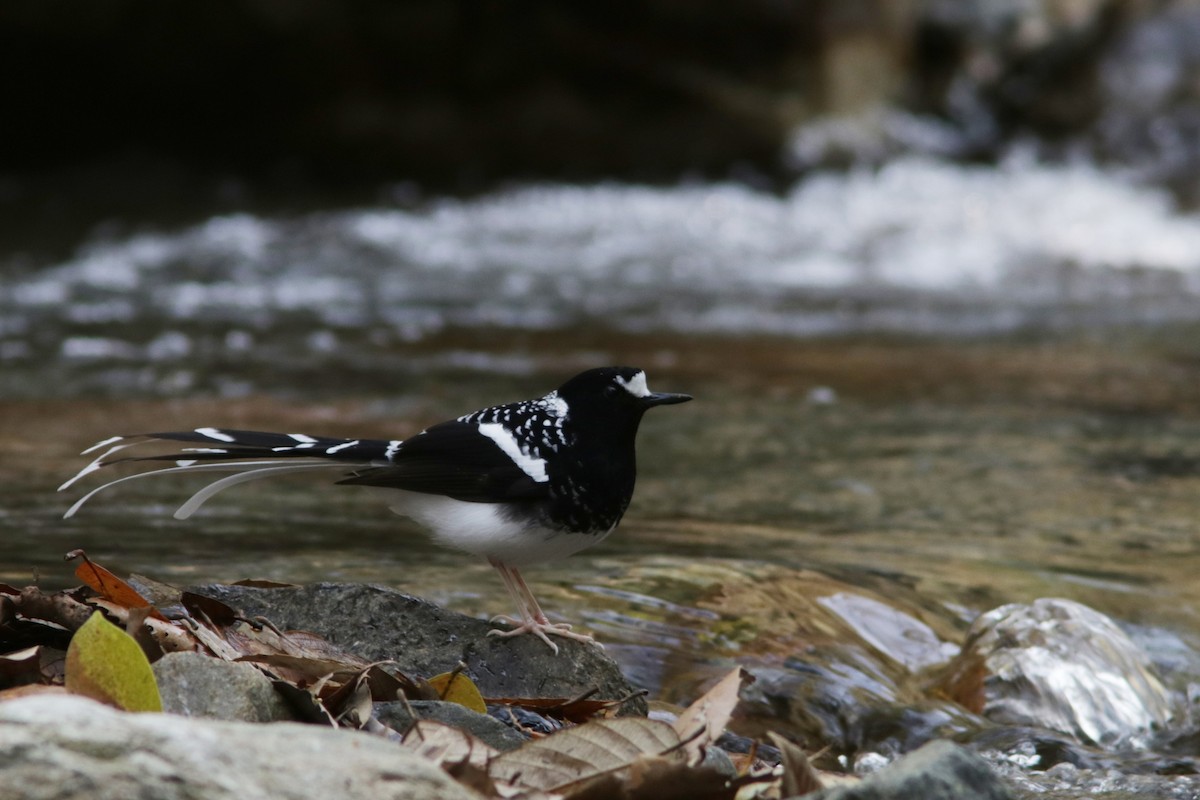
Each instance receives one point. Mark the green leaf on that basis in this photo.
(106, 664)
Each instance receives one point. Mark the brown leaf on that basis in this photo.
(799, 777)
(213, 641)
(443, 744)
(108, 585)
(579, 710)
(704, 721)
(38, 663)
(389, 685)
(355, 706)
(304, 703)
(475, 778)
(655, 778)
(21, 667)
(266, 639)
(303, 671)
(264, 583)
(301, 657)
(203, 607)
(577, 754)
(59, 608)
(379, 684)
(135, 626)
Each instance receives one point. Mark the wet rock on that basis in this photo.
(67, 746)
(1068, 781)
(938, 771)
(490, 731)
(1038, 749)
(424, 640)
(846, 707)
(834, 662)
(1060, 665)
(197, 685)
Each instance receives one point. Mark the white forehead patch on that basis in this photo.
(636, 385)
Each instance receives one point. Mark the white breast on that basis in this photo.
(483, 529)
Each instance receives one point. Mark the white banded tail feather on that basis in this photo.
(250, 467)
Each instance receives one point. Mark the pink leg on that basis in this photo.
(532, 619)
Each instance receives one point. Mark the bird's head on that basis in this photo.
(613, 396)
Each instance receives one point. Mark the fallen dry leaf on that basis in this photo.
(304, 703)
(337, 692)
(108, 585)
(264, 583)
(577, 754)
(443, 744)
(355, 707)
(22, 666)
(203, 607)
(212, 640)
(704, 721)
(656, 778)
(60, 608)
(303, 671)
(577, 710)
(799, 777)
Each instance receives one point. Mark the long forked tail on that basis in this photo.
(249, 455)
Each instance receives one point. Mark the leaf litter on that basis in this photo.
(108, 631)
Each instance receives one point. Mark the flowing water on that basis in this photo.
(923, 392)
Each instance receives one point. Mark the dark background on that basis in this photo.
(461, 94)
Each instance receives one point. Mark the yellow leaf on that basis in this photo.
(455, 687)
(106, 664)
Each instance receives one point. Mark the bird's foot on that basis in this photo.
(540, 629)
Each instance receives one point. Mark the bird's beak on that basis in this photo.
(665, 399)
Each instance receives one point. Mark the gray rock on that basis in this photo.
(425, 640)
(940, 770)
(491, 731)
(64, 747)
(1060, 665)
(196, 685)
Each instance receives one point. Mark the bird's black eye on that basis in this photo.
(611, 391)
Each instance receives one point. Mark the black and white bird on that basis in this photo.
(518, 484)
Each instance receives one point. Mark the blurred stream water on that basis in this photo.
(917, 246)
